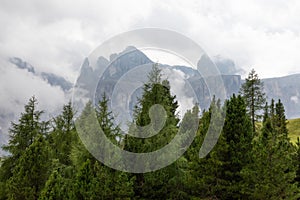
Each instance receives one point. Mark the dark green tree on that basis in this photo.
(238, 136)
(155, 91)
(271, 174)
(95, 180)
(31, 171)
(63, 135)
(252, 91)
(22, 135)
(204, 177)
(297, 178)
(59, 186)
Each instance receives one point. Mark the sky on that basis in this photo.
(56, 35)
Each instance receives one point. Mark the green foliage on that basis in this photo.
(297, 163)
(204, 177)
(30, 172)
(293, 126)
(252, 91)
(58, 186)
(63, 135)
(272, 173)
(48, 159)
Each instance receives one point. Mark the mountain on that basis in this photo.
(131, 59)
(287, 89)
(135, 65)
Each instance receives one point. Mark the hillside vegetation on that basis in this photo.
(294, 129)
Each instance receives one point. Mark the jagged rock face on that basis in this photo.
(285, 88)
(288, 90)
(119, 65)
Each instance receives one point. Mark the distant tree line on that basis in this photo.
(253, 158)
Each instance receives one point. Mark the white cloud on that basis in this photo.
(56, 35)
(17, 86)
(180, 88)
(295, 99)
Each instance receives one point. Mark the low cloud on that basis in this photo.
(18, 85)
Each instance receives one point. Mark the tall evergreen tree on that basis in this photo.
(155, 91)
(297, 178)
(238, 136)
(205, 176)
(271, 174)
(252, 91)
(31, 171)
(58, 186)
(93, 179)
(63, 135)
(22, 135)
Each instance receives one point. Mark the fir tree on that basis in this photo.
(271, 174)
(155, 91)
(31, 171)
(238, 136)
(204, 177)
(63, 135)
(252, 91)
(22, 135)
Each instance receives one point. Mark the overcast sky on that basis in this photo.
(56, 35)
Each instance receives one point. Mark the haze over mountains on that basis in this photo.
(285, 88)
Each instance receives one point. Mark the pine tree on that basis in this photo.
(155, 91)
(58, 186)
(238, 136)
(252, 91)
(22, 135)
(271, 174)
(204, 177)
(106, 121)
(31, 171)
(93, 179)
(63, 135)
(84, 181)
(297, 178)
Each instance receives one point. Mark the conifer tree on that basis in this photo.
(271, 174)
(238, 136)
(58, 186)
(31, 171)
(205, 175)
(22, 135)
(252, 91)
(63, 135)
(155, 91)
(93, 179)
(297, 178)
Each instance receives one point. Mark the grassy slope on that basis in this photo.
(294, 129)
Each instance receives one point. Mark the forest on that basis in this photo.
(254, 157)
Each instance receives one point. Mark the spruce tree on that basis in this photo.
(58, 186)
(93, 179)
(271, 174)
(204, 177)
(238, 136)
(63, 135)
(252, 91)
(22, 135)
(155, 91)
(297, 163)
(31, 171)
